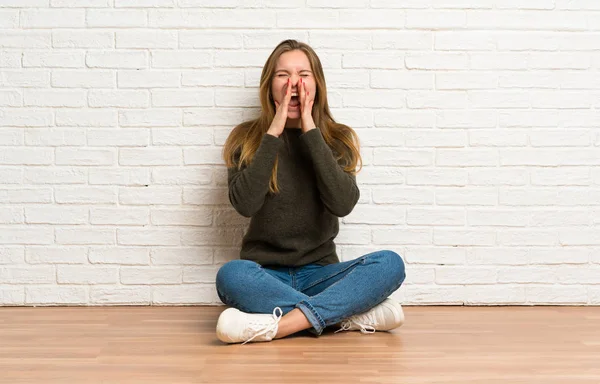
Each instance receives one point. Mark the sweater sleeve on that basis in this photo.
(337, 188)
(249, 186)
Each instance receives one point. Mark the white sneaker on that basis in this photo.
(383, 317)
(235, 326)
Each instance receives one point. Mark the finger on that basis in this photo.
(288, 93)
(301, 94)
(276, 104)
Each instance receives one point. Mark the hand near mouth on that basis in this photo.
(306, 104)
(281, 111)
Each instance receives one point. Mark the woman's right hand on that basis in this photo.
(281, 110)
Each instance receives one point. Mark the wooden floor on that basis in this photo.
(121, 345)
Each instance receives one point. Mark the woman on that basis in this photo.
(292, 170)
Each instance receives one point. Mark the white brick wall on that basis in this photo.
(479, 122)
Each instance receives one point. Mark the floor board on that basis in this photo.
(436, 345)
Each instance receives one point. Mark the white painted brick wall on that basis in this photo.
(478, 123)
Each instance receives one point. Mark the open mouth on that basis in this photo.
(295, 101)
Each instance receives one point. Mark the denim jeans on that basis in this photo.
(325, 294)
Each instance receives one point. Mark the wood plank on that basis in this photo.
(437, 345)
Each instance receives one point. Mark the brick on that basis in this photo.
(446, 177)
(403, 195)
(26, 156)
(182, 98)
(119, 176)
(466, 237)
(85, 156)
(146, 39)
(466, 196)
(114, 295)
(30, 274)
(75, 274)
(148, 237)
(116, 18)
(12, 255)
(118, 137)
(497, 138)
(148, 79)
(28, 78)
(213, 18)
(83, 79)
(182, 137)
(526, 20)
(206, 156)
(86, 117)
(401, 80)
(464, 81)
(82, 39)
(85, 195)
(436, 99)
(403, 40)
(313, 19)
(117, 59)
(181, 59)
(80, 3)
(150, 156)
(219, 77)
(85, 236)
(25, 39)
(56, 255)
(465, 275)
(11, 295)
(419, 19)
(150, 195)
(183, 255)
(54, 98)
(52, 18)
(498, 99)
(150, 118)
(380, 175)
(27, 235)
(54, 59)
(434, 217)
(10, 98)
(376, 214)
(182, 217)
(55, 175)
(210, 39)
(151, 275)
(56, 215)
(186, 293)
(9, 59)
(119, 98)
(435, 138)
(466, 157)
(119, 255)
(498, 256)
(56, 295)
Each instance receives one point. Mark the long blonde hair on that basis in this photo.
(245, 138)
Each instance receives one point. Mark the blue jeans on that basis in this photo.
(325, 294)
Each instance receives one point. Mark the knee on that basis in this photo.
(233, 273)
(395, 265)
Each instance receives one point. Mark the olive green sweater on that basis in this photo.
(298, 225)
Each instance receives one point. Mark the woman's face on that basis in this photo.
(293, 65)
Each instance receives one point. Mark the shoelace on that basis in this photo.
(270, 327)
(366, 326)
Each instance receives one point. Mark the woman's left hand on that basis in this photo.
(306, 104)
